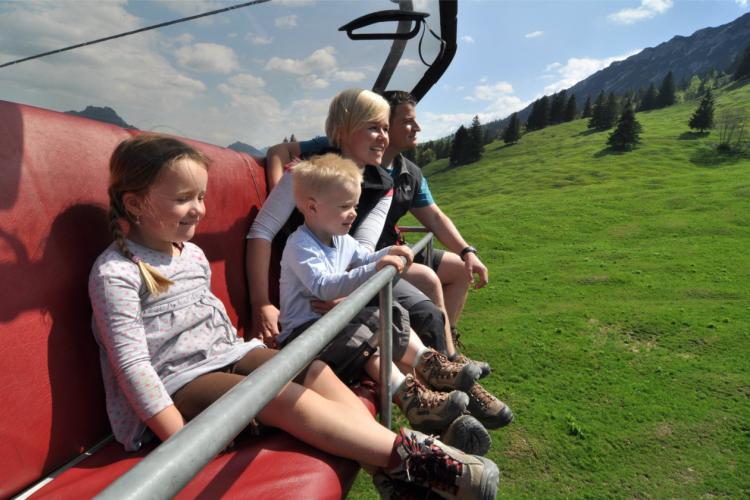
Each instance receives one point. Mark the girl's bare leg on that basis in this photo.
(321, 379)
(330, 426)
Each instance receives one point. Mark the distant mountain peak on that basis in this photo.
(246, 148)
(102, 114)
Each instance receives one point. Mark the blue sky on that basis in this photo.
(261, 73)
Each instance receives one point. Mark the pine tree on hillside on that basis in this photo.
(475, 146)
(587, 108)
(557, 108)
(285, 140)
(743, 67)
(667, 95)
(571, 109)
(458, 150)
(609, 118)
(627, 134)
(292, 138)
(650, 99)
(703, 117)
(539, 117)
(597, 112)
(512, 132)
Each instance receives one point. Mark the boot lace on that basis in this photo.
(438, 365)
(427, 463)
(425, 397)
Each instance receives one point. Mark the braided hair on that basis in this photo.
(134, 166)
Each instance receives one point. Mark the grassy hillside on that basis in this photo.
(616, 319)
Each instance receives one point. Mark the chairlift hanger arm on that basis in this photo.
(385, 16)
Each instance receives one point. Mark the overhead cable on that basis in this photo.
(147, 28)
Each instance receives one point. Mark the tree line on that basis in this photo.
(607, 111)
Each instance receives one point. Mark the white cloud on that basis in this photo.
(247, 82)
(647, 10)
(534, 34)
(320, 60)
(578, 68)
(407, 62)
(258, 39)
(742, 3)
(312, 82)
(285, 22)
(184, 38)
(192, 7)
(295, 3)
(499, 102)
(348, 76)
(467, 39)
(209, 57)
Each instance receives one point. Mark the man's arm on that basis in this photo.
(446, 232)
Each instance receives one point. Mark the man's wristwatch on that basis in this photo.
(469, 249)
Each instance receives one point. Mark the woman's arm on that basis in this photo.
(368, 233)
(276, 158)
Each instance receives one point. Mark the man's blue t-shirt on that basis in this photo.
(313, 146)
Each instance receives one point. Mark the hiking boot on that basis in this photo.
(394, 489)
(440, 373)
(462, 360)
(468, 435)
(449, 472)
(427, 410)
(489, 410)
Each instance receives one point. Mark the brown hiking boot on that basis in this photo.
(427, 410)
(460, 358)
(446, 471)
(468, 435)
(489, 410)
(440, 373)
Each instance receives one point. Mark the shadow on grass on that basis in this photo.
(691, 136)
(610, 152)
(588, 132)
(711, 157)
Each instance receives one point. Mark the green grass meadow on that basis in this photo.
(616, 318)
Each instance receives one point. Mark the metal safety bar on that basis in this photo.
(169, 467)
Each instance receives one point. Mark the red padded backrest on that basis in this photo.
(53, 182)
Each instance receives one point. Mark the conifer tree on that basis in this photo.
(539, 117)
(571, 109)
(703, 117)
(587, 108)
(743, 67)
(292, 138)
(458, 150)
(667, 95)
(512, 132)
(285, 140)
(627, 133)
(475, 145)
(557, 108)
(650, 99)
(609, 117)
(598, 112)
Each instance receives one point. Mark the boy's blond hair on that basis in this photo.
(318, 174)
(352, 110)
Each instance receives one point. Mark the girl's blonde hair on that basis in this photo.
(134, 166)
(320, 173)
(351, 110)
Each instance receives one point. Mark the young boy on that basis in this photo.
(321, 261)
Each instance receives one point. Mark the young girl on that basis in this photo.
(168, 349)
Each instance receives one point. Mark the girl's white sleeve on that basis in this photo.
(119, 328)
(368, 233)
(275, 211)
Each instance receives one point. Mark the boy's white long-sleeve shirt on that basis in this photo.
(311, 270)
